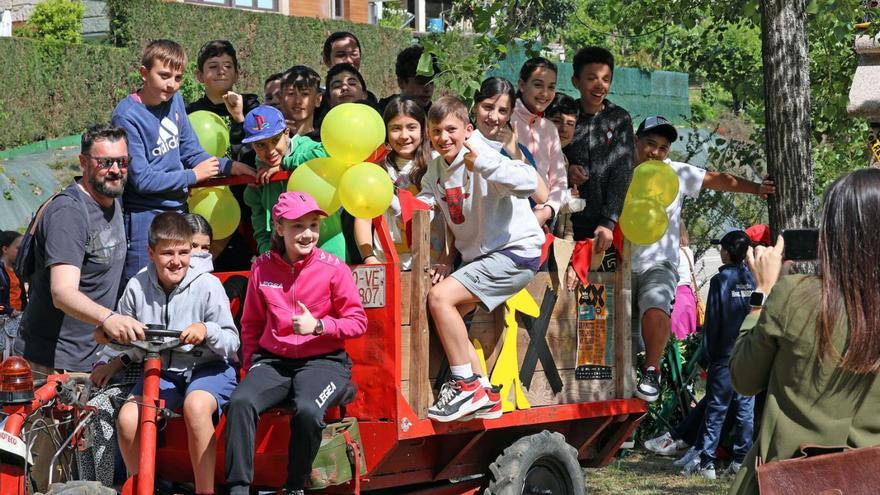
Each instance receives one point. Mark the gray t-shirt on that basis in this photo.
(75, 232)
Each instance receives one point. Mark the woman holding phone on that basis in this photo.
(813, 341)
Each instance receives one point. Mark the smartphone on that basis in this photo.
(801, 244)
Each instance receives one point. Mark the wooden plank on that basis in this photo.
(405, 291)
(419, 333)
(624, 378)
(573, 390)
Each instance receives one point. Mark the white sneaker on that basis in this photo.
(696, 467)
(665, 445)
(688, 457)
(733, 468)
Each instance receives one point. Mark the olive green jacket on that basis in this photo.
(809, 401)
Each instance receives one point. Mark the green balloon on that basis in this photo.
(212, 132)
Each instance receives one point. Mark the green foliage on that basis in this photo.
(57, 89)
(394, 15)
(496, 25)
(55, 20)
(265, 44)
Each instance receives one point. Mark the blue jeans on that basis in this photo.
(137, 231)
(720, 395)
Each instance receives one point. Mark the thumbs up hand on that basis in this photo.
(304, 324)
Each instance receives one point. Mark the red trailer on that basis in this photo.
(566, 370)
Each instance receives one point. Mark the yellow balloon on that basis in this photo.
(352, 131)
(366, 190)
(219, 207)
(655, 180)
(319, 178)
(644, 221)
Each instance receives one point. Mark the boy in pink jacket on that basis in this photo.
(301, 304)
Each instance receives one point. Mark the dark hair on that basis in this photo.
(216, 48)
(401, 105)
(165, 51)
(446, 106)
(301, 77)
(169, 226)
(333, 38)
(199, 225)
(338, 69)
(495, 86)
(533, 64)
(101, 132)
(7, 237)
(848, 240)
(278, 76)
(407, 64)
(562, 105)
(591, 55)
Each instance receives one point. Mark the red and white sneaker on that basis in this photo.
(458, 397)
(492, 409)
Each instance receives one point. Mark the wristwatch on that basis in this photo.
(756, 300)
(319, 328)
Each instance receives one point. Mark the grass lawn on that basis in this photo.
(643, 473)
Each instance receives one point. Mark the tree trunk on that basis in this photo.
(787, 112)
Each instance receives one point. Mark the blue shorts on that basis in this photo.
(217, 378)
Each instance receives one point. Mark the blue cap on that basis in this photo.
(263, 122)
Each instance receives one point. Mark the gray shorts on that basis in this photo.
(493, 279)
(653, 288)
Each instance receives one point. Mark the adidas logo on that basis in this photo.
(168, 137)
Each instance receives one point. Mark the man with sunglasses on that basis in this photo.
(79, 247)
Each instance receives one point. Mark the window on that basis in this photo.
(337, 10)
(271, 5)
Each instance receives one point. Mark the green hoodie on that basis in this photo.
(261, 199)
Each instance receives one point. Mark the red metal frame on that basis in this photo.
(143, 482)
(11, 475)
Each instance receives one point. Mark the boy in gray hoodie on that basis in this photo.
(176, 290)
(484, 199)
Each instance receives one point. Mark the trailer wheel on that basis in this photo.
(80, 488)
(540, 464)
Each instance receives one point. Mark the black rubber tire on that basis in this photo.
(543, 463)
(80, 488)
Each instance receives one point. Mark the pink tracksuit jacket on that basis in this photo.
(322, 282)
(540, 136)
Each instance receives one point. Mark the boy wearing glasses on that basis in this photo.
(166, 157)
(79, 247)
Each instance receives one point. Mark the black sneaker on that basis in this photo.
(648, 388)
(290, 491)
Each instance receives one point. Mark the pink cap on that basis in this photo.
(293, 205)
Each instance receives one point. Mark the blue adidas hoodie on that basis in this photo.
(726, 307)
(164, 149)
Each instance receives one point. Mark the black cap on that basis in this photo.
(658, 124)
(736, 242)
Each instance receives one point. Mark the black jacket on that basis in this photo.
(605, 146)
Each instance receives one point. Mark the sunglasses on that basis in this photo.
(106, 162)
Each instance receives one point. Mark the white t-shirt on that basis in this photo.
(684, 265)
(690, 182)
